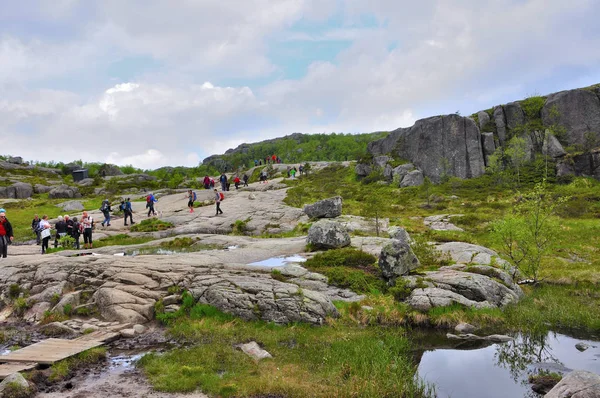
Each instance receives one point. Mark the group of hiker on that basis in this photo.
(64, 226)
(274, 159)
(225, 183)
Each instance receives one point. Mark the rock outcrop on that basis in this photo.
(577, 384)
(64, 192)
(327, 234)
(109, 170)
(397, 259)
(327, 208)
(19, 190)
(440, 145)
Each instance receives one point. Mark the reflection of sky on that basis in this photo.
(474, 374)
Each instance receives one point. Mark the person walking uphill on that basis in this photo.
(223, 181)
(46, 233)
(150, 200)
(218, 202)
(35, 227)
(128, 211)
(105, 209)
(191, 195)
(6, 234)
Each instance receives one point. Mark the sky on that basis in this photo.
(155, 83)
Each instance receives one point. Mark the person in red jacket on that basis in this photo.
(6, 234)
(237, 181)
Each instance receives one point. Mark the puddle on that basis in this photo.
(233, 247)
(123, 362)
(279, 261)
(502, 370)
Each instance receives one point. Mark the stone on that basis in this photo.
(582, 346)
(22, 190)
(399, 233)
(55, 329)
(172, 299)
(109, 170)
(70, 299)
(327, 234)
(577, 384)
(139, 329)
(431, 297)
(381, 161)
(442, 222)
(399, 172)
(40, 188)
(464, 328)
(87, 327)
(551, 146)
(254, 351)
(515, 116)
(500, 121)
(484, 119)
(489, 146)
(49, 293)
(115, 304)
(467, 253)
(363, 170)
(70, 206)
(564, 168)
(13, 379)
(412, 179)
(36, 312)
(15, 160)
(440, 145)
(397, 259)
(127, 333)
(86, 182)
(326, 208)
(64, 192)
(498, 338)
(578, 111)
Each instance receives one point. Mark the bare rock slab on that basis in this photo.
(577, 384)
(254, 351)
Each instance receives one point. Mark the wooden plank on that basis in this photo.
(49, 351)
(6, 369)
(105, 336)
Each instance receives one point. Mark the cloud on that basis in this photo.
(214, 83)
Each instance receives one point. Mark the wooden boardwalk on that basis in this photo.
(49, 351)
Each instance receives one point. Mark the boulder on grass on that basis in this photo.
(327, 208)
(397, 259)
(326, 234)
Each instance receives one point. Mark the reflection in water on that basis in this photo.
(501, 370)
(279, 261)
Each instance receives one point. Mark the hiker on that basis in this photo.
(128, 211)
(300, 169)
(87, 223)
(69, 223)
(46, 233)
(35, 227)
(212, 183)
(105, 209)
(61, 230)
(6, 234)
(218, 198)
(288, 172)
(293, 172)
(76, 232)
(206, 182)
(255, 162)
(273, 158)
(264, 177)
(150, 200)
(191, 195)
(223, 181)
(245, 178)
(236, 182)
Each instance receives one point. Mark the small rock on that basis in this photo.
(171, 308)
(366, 308)
(93, 320)
(252, 196)
(173, 299)
(498, 338)
(104, 324)
(253, 350)
(57, 329)
(582, 346)
(139, 329)
(465, 328)
(88, 326)
(127, 333)
(15, 378)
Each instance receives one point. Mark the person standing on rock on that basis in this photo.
(150, 200)
(46, 233)
(105, 209)
(6, 234)
(218, 202)
(61, 230)
(293, 173)
(87, 223)
(191, 195)
(69, 223)
(128, 211)
(206, 182)
(223, 181)
(245, 178)
(35, 227)
(236, 182)
(76, 232)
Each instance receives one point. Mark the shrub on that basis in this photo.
(400, 290)
(240, 227)
(14, 291)
(151, 225)
(356, 280)
(348, 256)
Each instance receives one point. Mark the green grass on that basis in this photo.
(122, 240)
(307, 361)
(63, 369)
(151, 225)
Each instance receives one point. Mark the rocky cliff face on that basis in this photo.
(459, 146)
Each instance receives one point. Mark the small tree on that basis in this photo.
(531, 232)
(517, 151)
(306, 168)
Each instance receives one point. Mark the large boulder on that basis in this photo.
(412, 179)
(381, 161)
(475, 286)
(22, 190)
(40, 188)
(109, 170)
(71, 205)
(576, 110)
(489, 146)
(397, 259)
(515, 116)
(15, 160)
(70, 168)
(399, 172)
(440, 145)
(551, 146)
(483, 118)
(118, 305)
(500, 121)
(577, 384)
(363, 169)
(15, 380)
(327, 208)
(64, 192)
(326, 234)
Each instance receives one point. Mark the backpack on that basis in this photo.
(221, 196)
(122, 207)
(148, 199)
(194, 196)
